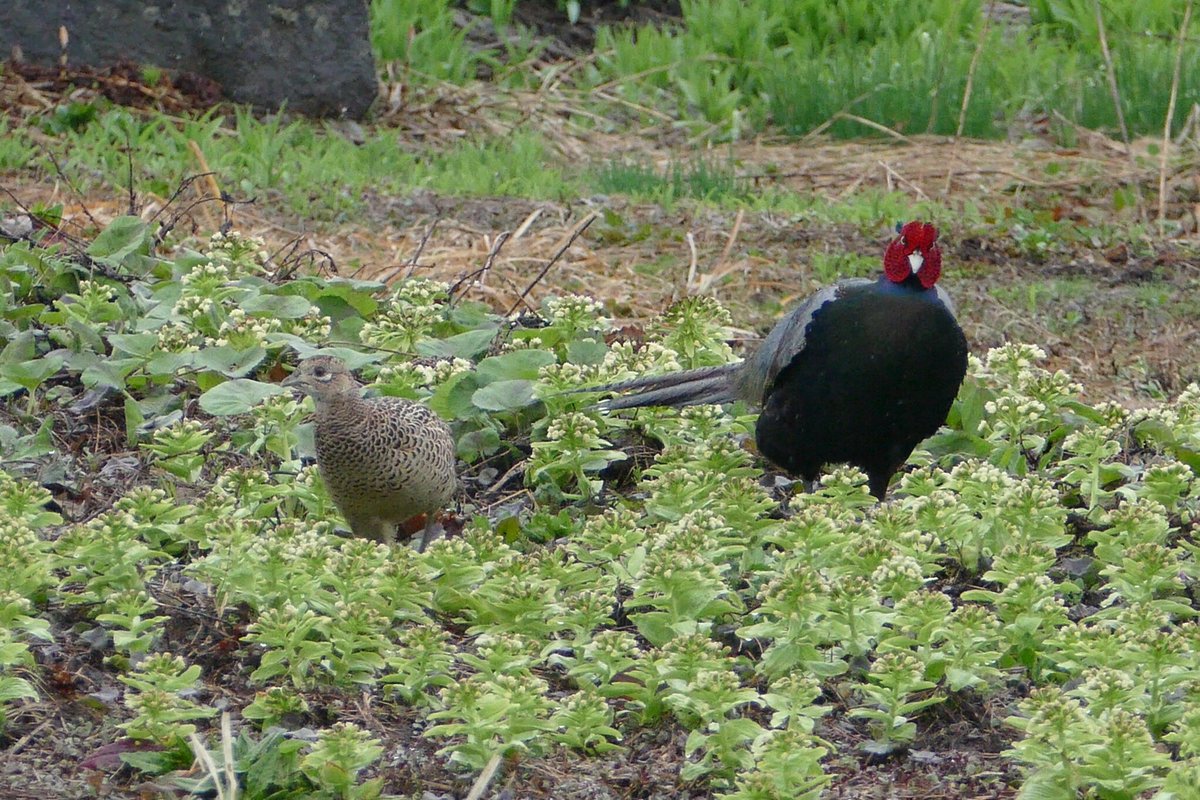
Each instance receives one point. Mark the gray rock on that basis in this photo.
(313, 55)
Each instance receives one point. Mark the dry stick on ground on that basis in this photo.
(133, 209)
(893, 174)
(824, 126)
(526, 223)
(493, 251)
(872, 124)
(718, 270)
(1166, 142)
(499, 483)
(966, 100)
(71, 185)
(692, 261)
(575, 234)
(1112, 76)
(209, 179)
(1115, 91)
(416, 257)
(224, 780)
(180, 212)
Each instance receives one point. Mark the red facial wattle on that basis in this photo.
(919, 238)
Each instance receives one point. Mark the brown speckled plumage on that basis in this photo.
(384, 459)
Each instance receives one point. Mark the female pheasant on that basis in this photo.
(384, 459)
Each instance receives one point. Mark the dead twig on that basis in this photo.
(58, 170)
(1112, 77)
(485, 777)
(210, 181)
(416, 256)
(480, 273)
(966, 100)
(719, 270)
(893, 174)
(692, 261)
(575, 234)
(1166, 142)
(827, 124)
(875, 126)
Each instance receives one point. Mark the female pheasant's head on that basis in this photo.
(322, 377)
(914, 254)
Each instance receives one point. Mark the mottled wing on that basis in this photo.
(417, 439)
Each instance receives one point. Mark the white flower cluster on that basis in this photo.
(1011, 415)
(984, 476)
(16, 536)
(204, 278)
(239, 250)
(564, 376)
(626, 358)
(846, 477)
(313, 326)
(1013, 358)
(243, 331)
(232, 484)
(577, 428)
(577, 312)
(427, 375)
(193, 307)
(399, 327)
(421, 292)
(695, 532)
(95, 292)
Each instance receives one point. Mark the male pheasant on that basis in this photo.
(859, 373)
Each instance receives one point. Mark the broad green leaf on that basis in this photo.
(133, 419)
(123, 237)
(16, 689)
(504, 395)
(474, 445)
(278, 306)
(586, 352)
(30, 446)
(452, 399)
(304, 349)
(32, 374)
(464, 345)
(519, 364)
(170, 363)
(237, 396)
(108, 373)
(135, 344)
(22, 347)
(230, 362)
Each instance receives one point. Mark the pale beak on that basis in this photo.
(291, 380)
(915, 261)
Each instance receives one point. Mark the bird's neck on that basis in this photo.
(343, 405)
(912, 283)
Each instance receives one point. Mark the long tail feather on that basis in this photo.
(690, 388)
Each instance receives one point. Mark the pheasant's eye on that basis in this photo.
(321, 372)
(904, 241)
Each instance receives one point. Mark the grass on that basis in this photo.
(796, 65)
(701, 180)
(311, 170)
(316, 173)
